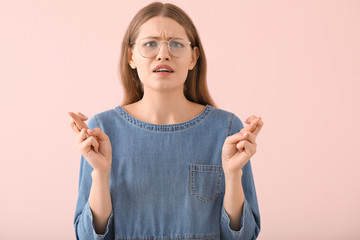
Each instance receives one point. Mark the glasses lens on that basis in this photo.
(148, 47)
(178, 47)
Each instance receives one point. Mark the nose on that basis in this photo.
(163, 51)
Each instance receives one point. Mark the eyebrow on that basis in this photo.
(157, 37)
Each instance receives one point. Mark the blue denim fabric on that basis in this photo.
(167, 181)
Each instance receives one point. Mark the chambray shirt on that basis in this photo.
(167, 181)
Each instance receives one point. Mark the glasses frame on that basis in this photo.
(159, 45)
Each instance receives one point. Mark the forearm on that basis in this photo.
(100, 201)
(234, 199)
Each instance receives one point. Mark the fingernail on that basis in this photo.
(90, 130)
(244, 134)
(82, 114)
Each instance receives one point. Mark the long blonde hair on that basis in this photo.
(195, 86)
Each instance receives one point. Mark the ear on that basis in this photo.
(194, 57)
(130, 60)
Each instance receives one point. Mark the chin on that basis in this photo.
(165, 86)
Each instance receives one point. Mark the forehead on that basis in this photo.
(161, 27)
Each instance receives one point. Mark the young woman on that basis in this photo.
(166, 164)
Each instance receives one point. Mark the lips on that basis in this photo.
(163, 66)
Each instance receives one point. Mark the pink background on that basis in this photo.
(294, 63)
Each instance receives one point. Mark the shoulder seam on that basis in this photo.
(96, 122)
(230, 124)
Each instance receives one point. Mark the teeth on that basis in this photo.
(162, 70)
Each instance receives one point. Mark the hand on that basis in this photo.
(94, 146)
(238, 149)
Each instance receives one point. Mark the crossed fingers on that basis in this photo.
(255, 125)
(77, 123)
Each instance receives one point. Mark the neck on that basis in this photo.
(167, 107)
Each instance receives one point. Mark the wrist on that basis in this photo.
(233, 176)
(100, 176)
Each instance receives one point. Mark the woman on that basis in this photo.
(166, 163)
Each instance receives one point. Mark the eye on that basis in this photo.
(152, 43)
(176, 44)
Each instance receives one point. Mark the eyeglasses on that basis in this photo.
(149, 47)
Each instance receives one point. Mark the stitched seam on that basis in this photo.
(193, 170)
(96, 121)
(187, 237)
(165, 128)
(201, 167)
(230, 124)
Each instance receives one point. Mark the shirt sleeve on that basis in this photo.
(83, 220)
(250, 218)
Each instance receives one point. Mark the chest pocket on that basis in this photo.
(205, 181)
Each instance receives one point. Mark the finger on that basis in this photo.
(250, 148)
(82, 135)
(235, 138)
(241, 145)
(83, 132)
(250, 137)
(246, 146)
(78, 121)
(95, 144)
(260, 124)
(250, 122)
(74, 127)
(254, 123)
(74, 120)
(252, 127)
(80, 115)
(88, 143)
(249, 119)
(100, 135)
(83, 116)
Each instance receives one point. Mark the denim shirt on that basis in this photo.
(167, 181)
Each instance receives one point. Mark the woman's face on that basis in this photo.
(164, 28)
